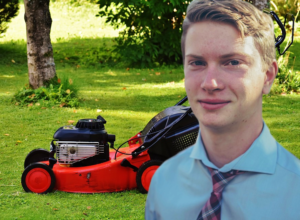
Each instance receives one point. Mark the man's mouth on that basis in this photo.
(213, 104)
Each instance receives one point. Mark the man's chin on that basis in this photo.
(216, 124)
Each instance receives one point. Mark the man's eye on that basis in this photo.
(234, 62)
(198, 63)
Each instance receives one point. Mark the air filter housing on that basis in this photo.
(91, 130)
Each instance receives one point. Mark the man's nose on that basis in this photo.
(212, 79)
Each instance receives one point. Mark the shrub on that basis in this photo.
(152, 29)
(57, 93)
(287, 80)
(8, 10)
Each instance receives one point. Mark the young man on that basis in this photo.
(235, 170)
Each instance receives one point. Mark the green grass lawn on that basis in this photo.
(126, 97)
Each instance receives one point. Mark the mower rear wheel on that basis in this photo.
(38, 178)
(36, 155)
(145, 173)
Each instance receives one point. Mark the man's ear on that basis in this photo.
(270, 75)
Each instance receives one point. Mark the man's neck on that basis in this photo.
(223, 147)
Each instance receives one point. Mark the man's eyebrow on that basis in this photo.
(234, 54)
(221, 56)
(194, 56)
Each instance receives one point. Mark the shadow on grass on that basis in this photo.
(14, 50)
(73, 51)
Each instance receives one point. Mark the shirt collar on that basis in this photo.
(260, 157)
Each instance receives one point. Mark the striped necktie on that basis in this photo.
(212, 208)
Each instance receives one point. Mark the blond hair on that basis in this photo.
(246, 18)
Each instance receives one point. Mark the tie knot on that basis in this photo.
(220, 180)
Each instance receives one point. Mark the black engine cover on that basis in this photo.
(71, 133)
(87, 130)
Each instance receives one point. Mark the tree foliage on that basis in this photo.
(152, 29)
(283, 7)
(8, 10)
(287, 80)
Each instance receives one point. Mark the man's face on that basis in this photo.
(224, 78)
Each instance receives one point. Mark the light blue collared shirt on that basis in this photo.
(269, 190)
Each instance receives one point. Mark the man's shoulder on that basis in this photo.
(174, 184)
(179, 159)
(176, 166)
(288, 161)
(179, 175)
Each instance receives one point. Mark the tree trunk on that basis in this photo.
(41, 66)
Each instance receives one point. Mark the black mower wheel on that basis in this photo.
(145, 173)
(38, 178)
(36, 155)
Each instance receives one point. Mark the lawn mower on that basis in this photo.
(84, 162)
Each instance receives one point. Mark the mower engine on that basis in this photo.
(84, 144)
(69, 152)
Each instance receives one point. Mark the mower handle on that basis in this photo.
(182, 101)
(159, 135)
(279, 40)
